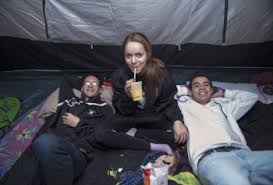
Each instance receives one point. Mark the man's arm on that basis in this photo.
(241, 102)
(218, 92)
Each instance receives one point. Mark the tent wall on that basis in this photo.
(24, 19)
(249, 21)
(167, 22)
(106, 22)
(26, 54)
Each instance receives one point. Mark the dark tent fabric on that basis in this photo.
(18, 54)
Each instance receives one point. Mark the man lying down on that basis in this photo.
(62, 152)
(217, 149)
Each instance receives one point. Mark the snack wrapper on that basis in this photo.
(155, 175)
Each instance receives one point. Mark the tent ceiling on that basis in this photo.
(165, 22)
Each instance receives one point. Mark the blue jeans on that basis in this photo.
(59, 160)
(237, 167)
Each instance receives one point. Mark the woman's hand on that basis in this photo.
(127, 87)
(180, 132)
(71, 119)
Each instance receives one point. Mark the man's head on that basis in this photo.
(90, 86)
(201, 88)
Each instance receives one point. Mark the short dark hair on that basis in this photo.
(199, 74)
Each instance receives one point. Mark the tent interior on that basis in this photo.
(41, 41)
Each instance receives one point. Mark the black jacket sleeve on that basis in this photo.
(66, 88)
(122, 103)
(165, 102)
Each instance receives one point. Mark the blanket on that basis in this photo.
(14, 143)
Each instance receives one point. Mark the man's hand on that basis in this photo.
(71, 119)
(220, 93)
(180, 132)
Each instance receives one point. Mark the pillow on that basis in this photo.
(106, 95)
(51, 103)
(251, 87)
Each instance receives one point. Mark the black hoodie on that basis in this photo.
(165, 103)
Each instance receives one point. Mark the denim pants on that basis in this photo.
(59, 160)
(237, 167)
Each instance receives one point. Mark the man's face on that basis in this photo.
(201, 90)
(90, 86)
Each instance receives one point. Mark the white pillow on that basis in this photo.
(251, 87)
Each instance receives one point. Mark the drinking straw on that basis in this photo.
(134, 74)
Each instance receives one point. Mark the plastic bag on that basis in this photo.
(154, 175)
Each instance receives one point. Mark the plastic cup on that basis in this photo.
(136, 91)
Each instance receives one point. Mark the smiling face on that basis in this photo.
(201, 89)
(90, 86)
(135, 56)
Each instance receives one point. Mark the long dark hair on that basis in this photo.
(152, 68)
